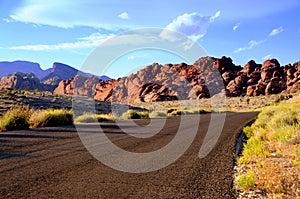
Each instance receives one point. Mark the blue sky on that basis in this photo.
(69, 30)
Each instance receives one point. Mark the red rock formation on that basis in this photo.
(21, 81)
(78, 85)
(206, 77)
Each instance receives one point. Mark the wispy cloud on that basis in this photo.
(7, 20)
(214, 17)
(276, 31)
(267, 57)
(236, 26)
(66, 14)
(123, 15)
(250, 45)
(254, 43)
(93, 40)
(193, 25)
(133, 57)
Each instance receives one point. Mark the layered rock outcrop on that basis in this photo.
(22, 81)
(207, 77)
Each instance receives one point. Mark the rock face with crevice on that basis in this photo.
(22, 81)
(207, 77)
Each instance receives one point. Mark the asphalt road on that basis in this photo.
(54, 163)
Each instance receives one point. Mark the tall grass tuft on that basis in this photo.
(51, 117)
(17, 118)
(131, 114)
(246, 181)
(271, 150)
(92, 118)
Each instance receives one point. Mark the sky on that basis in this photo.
(68, 31)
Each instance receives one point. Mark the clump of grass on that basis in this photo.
(174, 112)
(246, 181)
(297, 150)
(256, 146)
(131, 114)
(17, 118)
(243, 160)
(92, 118)
(157, 114)
(104, 117)
(86, 118)
(51, 117)
(272, 147)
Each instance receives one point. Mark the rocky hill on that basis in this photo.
(29, 75)
(22, 81)
(208, 76)
(8, 68)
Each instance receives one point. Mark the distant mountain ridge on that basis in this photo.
(13, 74)
(61, 70)
(9, 68)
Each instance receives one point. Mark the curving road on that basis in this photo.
(53, 163)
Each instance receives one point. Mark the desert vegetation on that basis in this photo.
(234, 104)
(271, 157)
(51, 117)
(131, 114)
(22, 118)
(92, 118)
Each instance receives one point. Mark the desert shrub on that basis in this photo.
(243, 160)
(131, 114)
(86, 118)
(17, 118)
(273, 142)
(174, 112)
(104, 117)
(51, 117)
(246, 181)
(297, 150)
(282, 97)
(256, 146)
(157, 114)
(91, 118)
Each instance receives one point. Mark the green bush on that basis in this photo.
(51, 117)
(17, 118)
(131, 114)
(247, 181)
(256, 146)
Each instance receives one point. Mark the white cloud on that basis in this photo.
(276, 31)
(254, 43)
(267, 57)
(133, 57)
(217, 15)
(67, 14)
(123, 15)
(93, 40)
(250, 45)
(7, 20)
(236, 26)
(188, 45)
(193, 25)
